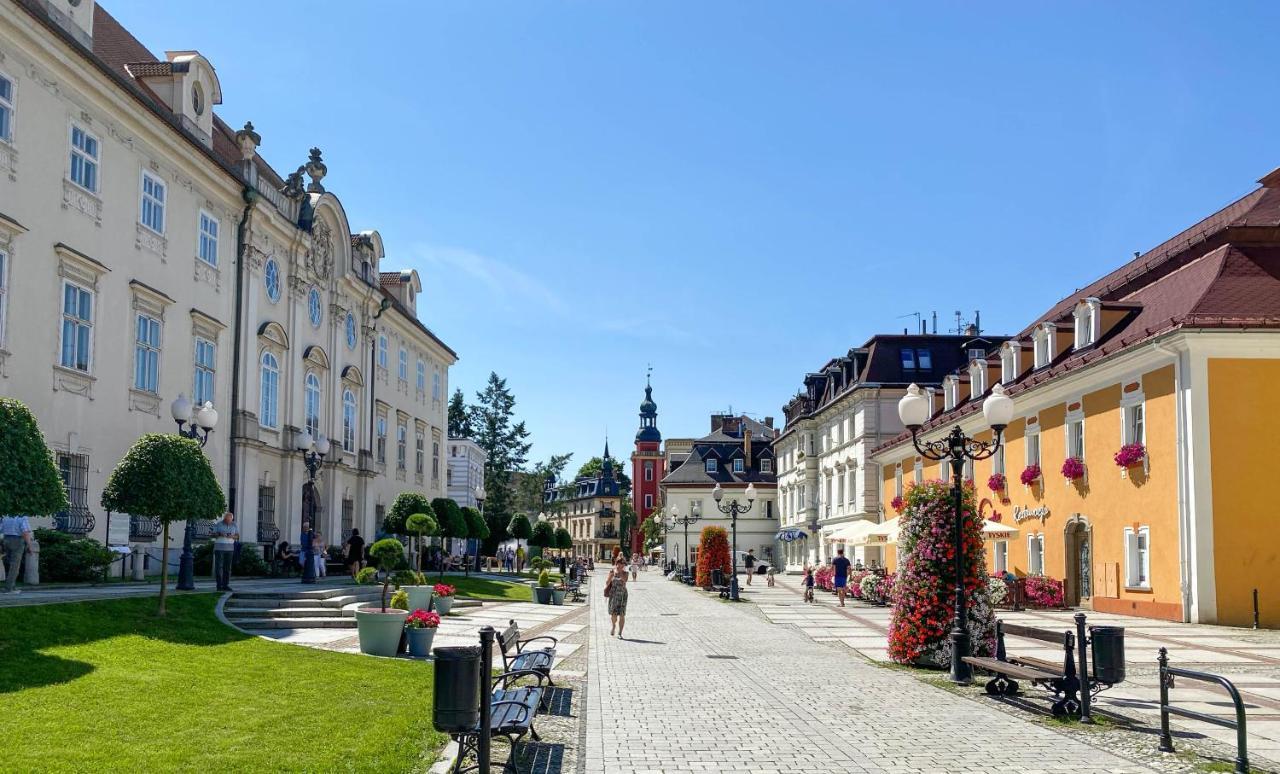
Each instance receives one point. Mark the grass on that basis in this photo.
(487, 588)
(108, 686)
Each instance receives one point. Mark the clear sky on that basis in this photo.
(733, 191)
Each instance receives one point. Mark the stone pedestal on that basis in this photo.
(31, 565)
(139, 559)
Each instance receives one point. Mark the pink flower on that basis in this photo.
(1073, 468)
(997, 482)
(1029, 474)
(1130, 454)
(422, 619)
(443, 590)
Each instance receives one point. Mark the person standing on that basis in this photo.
(306, 553)
(808, 584)
(17, 543)
(749, 562)
(355, 552)
(615, 588)
(841, 565)
(225, 535)
(322, 554)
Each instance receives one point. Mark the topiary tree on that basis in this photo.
(477, 529)
(924, 590)
(420, 524)
(564, 541)
(544, 535)
(164, 477)
(713, 553)
(386, 554)
(452, 523)
(405, 505)
(29, 480)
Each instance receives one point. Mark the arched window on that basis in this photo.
(311, 405)
(348, 421)
(268, 409)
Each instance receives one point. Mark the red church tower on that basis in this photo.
(647, 466)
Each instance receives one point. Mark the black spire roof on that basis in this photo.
(648, 417)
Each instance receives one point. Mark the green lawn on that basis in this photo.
(487, 588)
(108, 686)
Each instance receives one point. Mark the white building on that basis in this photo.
(465, 474)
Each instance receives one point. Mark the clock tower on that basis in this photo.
(647, 466)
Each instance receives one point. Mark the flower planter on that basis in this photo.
(543, 595)
(420, 642)
(442, 605)
(557, 596)
(419, 597)
(380, 632)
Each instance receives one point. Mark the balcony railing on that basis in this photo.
(76, 520)
(201, 530)
(143, 529)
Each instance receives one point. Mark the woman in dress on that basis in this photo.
(617, 586)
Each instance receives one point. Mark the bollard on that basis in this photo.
(31, 565)
(486, 670)
(139, 563)
(1086, 679)
(1166, 738)
(1255, 608)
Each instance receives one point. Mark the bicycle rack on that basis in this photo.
(1167, 673)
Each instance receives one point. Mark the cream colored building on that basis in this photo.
(147, 251)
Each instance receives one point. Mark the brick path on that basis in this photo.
(662, 703)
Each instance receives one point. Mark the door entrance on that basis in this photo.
(1079, 580)
(311, 505)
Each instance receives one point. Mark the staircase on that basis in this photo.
(300, 608)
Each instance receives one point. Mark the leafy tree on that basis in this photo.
(405, 505)
(477, 529)
(29, 481)
(452, 523)
(165, 477)
(529, 484)
(495, 430)
(420, 524)
(520, 527)
(564, 541)
(459, 416)
(544, 535)
(652, 530)
(593, 466)
(386, 554)
(626, 521)
(713, 553)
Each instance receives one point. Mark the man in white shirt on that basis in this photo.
(225, 535)
(17, 542)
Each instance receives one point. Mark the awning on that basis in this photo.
(852, 532)
(994, 530)
(791, 534)
(885, 533)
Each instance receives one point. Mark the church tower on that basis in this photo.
(647, 466)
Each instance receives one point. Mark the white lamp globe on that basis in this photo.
(913, 409)
(304, 441)
(998, 408)
(751, 492)
(207, 416)
(181, 408)
(717, 494)
(322, 444)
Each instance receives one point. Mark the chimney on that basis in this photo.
(717, 422)
(768, 422)
(746, 446)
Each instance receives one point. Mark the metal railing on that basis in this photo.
(1167, 673)
(76, 520)
(268, 533)
(143, 529)
(201, 530)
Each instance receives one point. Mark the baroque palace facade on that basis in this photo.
(148, 251)
(1175, 358)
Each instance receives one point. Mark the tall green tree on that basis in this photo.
(29, 480)
(453, 524)
(592, 467)
(477, 529)
(165, 477)
(459, 416)
(529, 484)
(405, 505)
(503, 439)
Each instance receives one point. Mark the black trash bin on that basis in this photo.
(457, 689)
(1108, 653)
(717, 577)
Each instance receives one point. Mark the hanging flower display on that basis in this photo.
(997, 482)
(1043, 591)
(898, 503)
(1029, 474)
(1072, 468)
(1131, 454)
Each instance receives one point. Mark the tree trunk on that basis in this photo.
(164, 568)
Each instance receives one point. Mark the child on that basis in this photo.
(808, 584)
(770, 574)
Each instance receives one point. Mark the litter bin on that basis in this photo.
(456, 705)
(1108, 653)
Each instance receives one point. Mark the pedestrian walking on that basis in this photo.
(355, 552)
(615, 589)
(225, 535)
(808, 584)
(749, 562)
(635, 568)
(17, 544)
(306, 553)
(321, 552)
(772, 571)
(841, 565)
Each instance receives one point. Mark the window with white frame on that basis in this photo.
(382, 351)
(944, 472)
(950, 392)
(648, 501)
(206, 365)
(766, 466)
(1035, 554)
(1001, 555)
(402, 441)
(1042, 342)
(422, 378)
(84, 159)
(435, 460)
(420, 459)
(208, 245)
(403, 370)
(839, 489)
(1032, 445)
(897, 480)
(1137, 554)
(4, 292)
(997, 460)
(968, 469)
(648, 470)
(311, 404)
(1133, 415)
(1008, 364)
(381, 442)
(917, 471)
(153, 198)
(710, 466)
(1075, 436)
(77, 327)
(435, 384)
(146, 354)
(978, 376)
(348, 421)
(738, 465)
(269, 399)
(6, 108)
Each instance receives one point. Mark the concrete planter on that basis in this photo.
(557, 596)
(443, 605)
(542, 595)
(420, 642)
(419, 597)
(380, 632)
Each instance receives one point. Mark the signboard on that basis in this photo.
(117, 529)
(1021, 514)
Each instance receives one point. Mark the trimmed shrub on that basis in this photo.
(405, 505)
(29, 481)
(247, 564)
(386, 553)
(400, 599)
(544, 535)
(520, 527)
(713, 552)
(367, 575)
(64, 558)
(477, 528)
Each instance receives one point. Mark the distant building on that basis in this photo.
(589, 507)
(465, 472)
(648, 466)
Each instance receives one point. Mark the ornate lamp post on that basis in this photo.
(956, 447)
(694, 514)
(206, 418)
(313, 451)
(733, 508)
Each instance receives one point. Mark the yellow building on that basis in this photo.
(1179, 351)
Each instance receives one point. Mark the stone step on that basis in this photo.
(299, 591)
(291, 612)
(337, 622)
(288, 601)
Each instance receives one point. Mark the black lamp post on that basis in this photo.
(693, 515)
(313, 451)
(198, 429)
(733, 508)
(479, 493)
(956, 447)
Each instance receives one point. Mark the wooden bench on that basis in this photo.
(512, 711)
(518, 657)
(1059, 679)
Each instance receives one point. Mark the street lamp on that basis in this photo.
(206, 418)
(313, 454)
(956, 447)
(733, 508)
(694, 514)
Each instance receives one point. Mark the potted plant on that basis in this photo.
(443, 600)
(380, 626)
(1073, 468)
(421, 627)
(543, 591)
(558, 592)
(997, 483)
(419, 591)
(1131, 454)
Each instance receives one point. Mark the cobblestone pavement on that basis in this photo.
(701, 685)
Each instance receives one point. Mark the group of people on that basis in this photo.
(511, 559)
(314, 550)
(840, 580)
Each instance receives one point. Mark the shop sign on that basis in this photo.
(1021, 514)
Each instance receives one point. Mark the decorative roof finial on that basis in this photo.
(248, 141)
(293, 184)
(317, 170)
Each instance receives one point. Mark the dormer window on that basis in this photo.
(978, 376)
(1087, 322)
(1009, 362)
(711, 466)
(1043, 340)
(950, 392)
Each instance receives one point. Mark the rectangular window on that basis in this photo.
(1001, 550)
(208, 247)
(74, 469)
(1075, 438)
(917, 472)
(420, 461)
(84, 159)
(897, 481)
(1035, 554)
(4, 291)
(1033, 447)
(402, 435)
(206, 365)
(266, 507)
(1134, 423)
(648, 470)
(968, 470)
(924, 360)
(766, 466)
(435, 461)
(908, 359)
(738, 465)
(648, 501)
(422, 377)
(146, 354)
(382, 439)
(403, 370)
(6, 109)
(153, 195)
(711, 466)
(77, 327)
(382, 352)
(1137, 551)
(435, 385)
(348, 518)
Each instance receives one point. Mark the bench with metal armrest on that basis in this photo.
(1060, 679)
(518, 656)
(512, 711)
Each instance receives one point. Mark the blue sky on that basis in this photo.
(736, 191)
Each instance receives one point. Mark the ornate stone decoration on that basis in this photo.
(316, 169)
(320, 259)
(150, 240)
(76, 198)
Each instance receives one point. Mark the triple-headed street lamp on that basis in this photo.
(733, 508)
(956, 447)
(197, 429)
(695, 513)
(314, 450)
